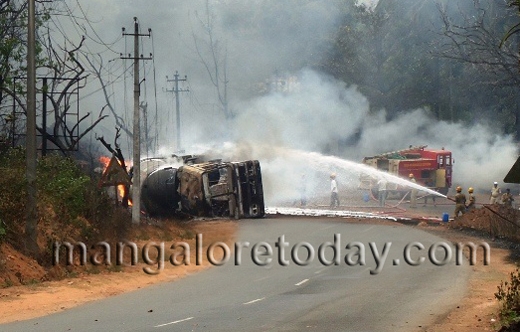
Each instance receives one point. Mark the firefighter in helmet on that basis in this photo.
(460, 202)
(471, 200)
(507, 198)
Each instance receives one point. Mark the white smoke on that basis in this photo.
(321, 115)
(369, 4)
(278, 128)
(321, 111)
(481, 155)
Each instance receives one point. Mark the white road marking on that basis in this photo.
(301, 282)
(324, 228)
(254, 301)
(366, 230)
(177, 321)
(263, 278)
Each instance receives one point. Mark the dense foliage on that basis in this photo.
(449, 57)
(440, 55)
(70, 203)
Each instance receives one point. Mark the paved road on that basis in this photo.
(316, 297)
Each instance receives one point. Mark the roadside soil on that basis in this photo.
(476, 312)
(34, 298)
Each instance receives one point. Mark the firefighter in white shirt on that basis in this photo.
(334, 199)
(495, 194)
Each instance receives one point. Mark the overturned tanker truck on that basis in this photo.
(210, 189)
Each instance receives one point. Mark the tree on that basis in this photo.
(65, 79)
(12, 45)
(66, 76)
(442, 56)
(213, 56)
(515, 29)
(384, 51)
(12, 54)
(474, 37)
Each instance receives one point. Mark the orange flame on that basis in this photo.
(104, 160)
(121, 190)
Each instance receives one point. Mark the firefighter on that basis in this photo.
(495, 193)
(413, 197)
(507, 198)
(471, 198)
(381, 191)
(334, 200)
(460, 202)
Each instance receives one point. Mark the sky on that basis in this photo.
(261, 42)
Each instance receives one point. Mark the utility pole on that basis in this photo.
(31, 222)
(176, 90)
(136, 178)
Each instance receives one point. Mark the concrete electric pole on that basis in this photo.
(176, 90)
(31, 222)
(136, 178)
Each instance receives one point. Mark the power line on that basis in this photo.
(176, 90)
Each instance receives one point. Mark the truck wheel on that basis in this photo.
(254, 210)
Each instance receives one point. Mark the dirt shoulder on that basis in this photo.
(36, 299)
(476, 312)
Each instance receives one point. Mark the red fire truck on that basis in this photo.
(431, 168)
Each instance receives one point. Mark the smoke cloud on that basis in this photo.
(289, 131)
(281, 129)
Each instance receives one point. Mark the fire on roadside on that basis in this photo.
(105, 161)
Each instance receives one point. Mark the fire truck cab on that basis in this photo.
(431, 168)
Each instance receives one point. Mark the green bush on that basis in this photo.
(68, 199)
(62, 185)
(508, 295)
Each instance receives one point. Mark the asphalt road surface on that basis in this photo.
(290, 293)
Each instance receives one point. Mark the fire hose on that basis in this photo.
(391, 206)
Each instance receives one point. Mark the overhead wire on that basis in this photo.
(81, 30)
(60, 28)
(194, 100)
(100, 42)
(109, 83)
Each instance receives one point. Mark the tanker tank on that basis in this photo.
(159, 194)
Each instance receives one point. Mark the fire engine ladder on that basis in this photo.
(387, 154)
